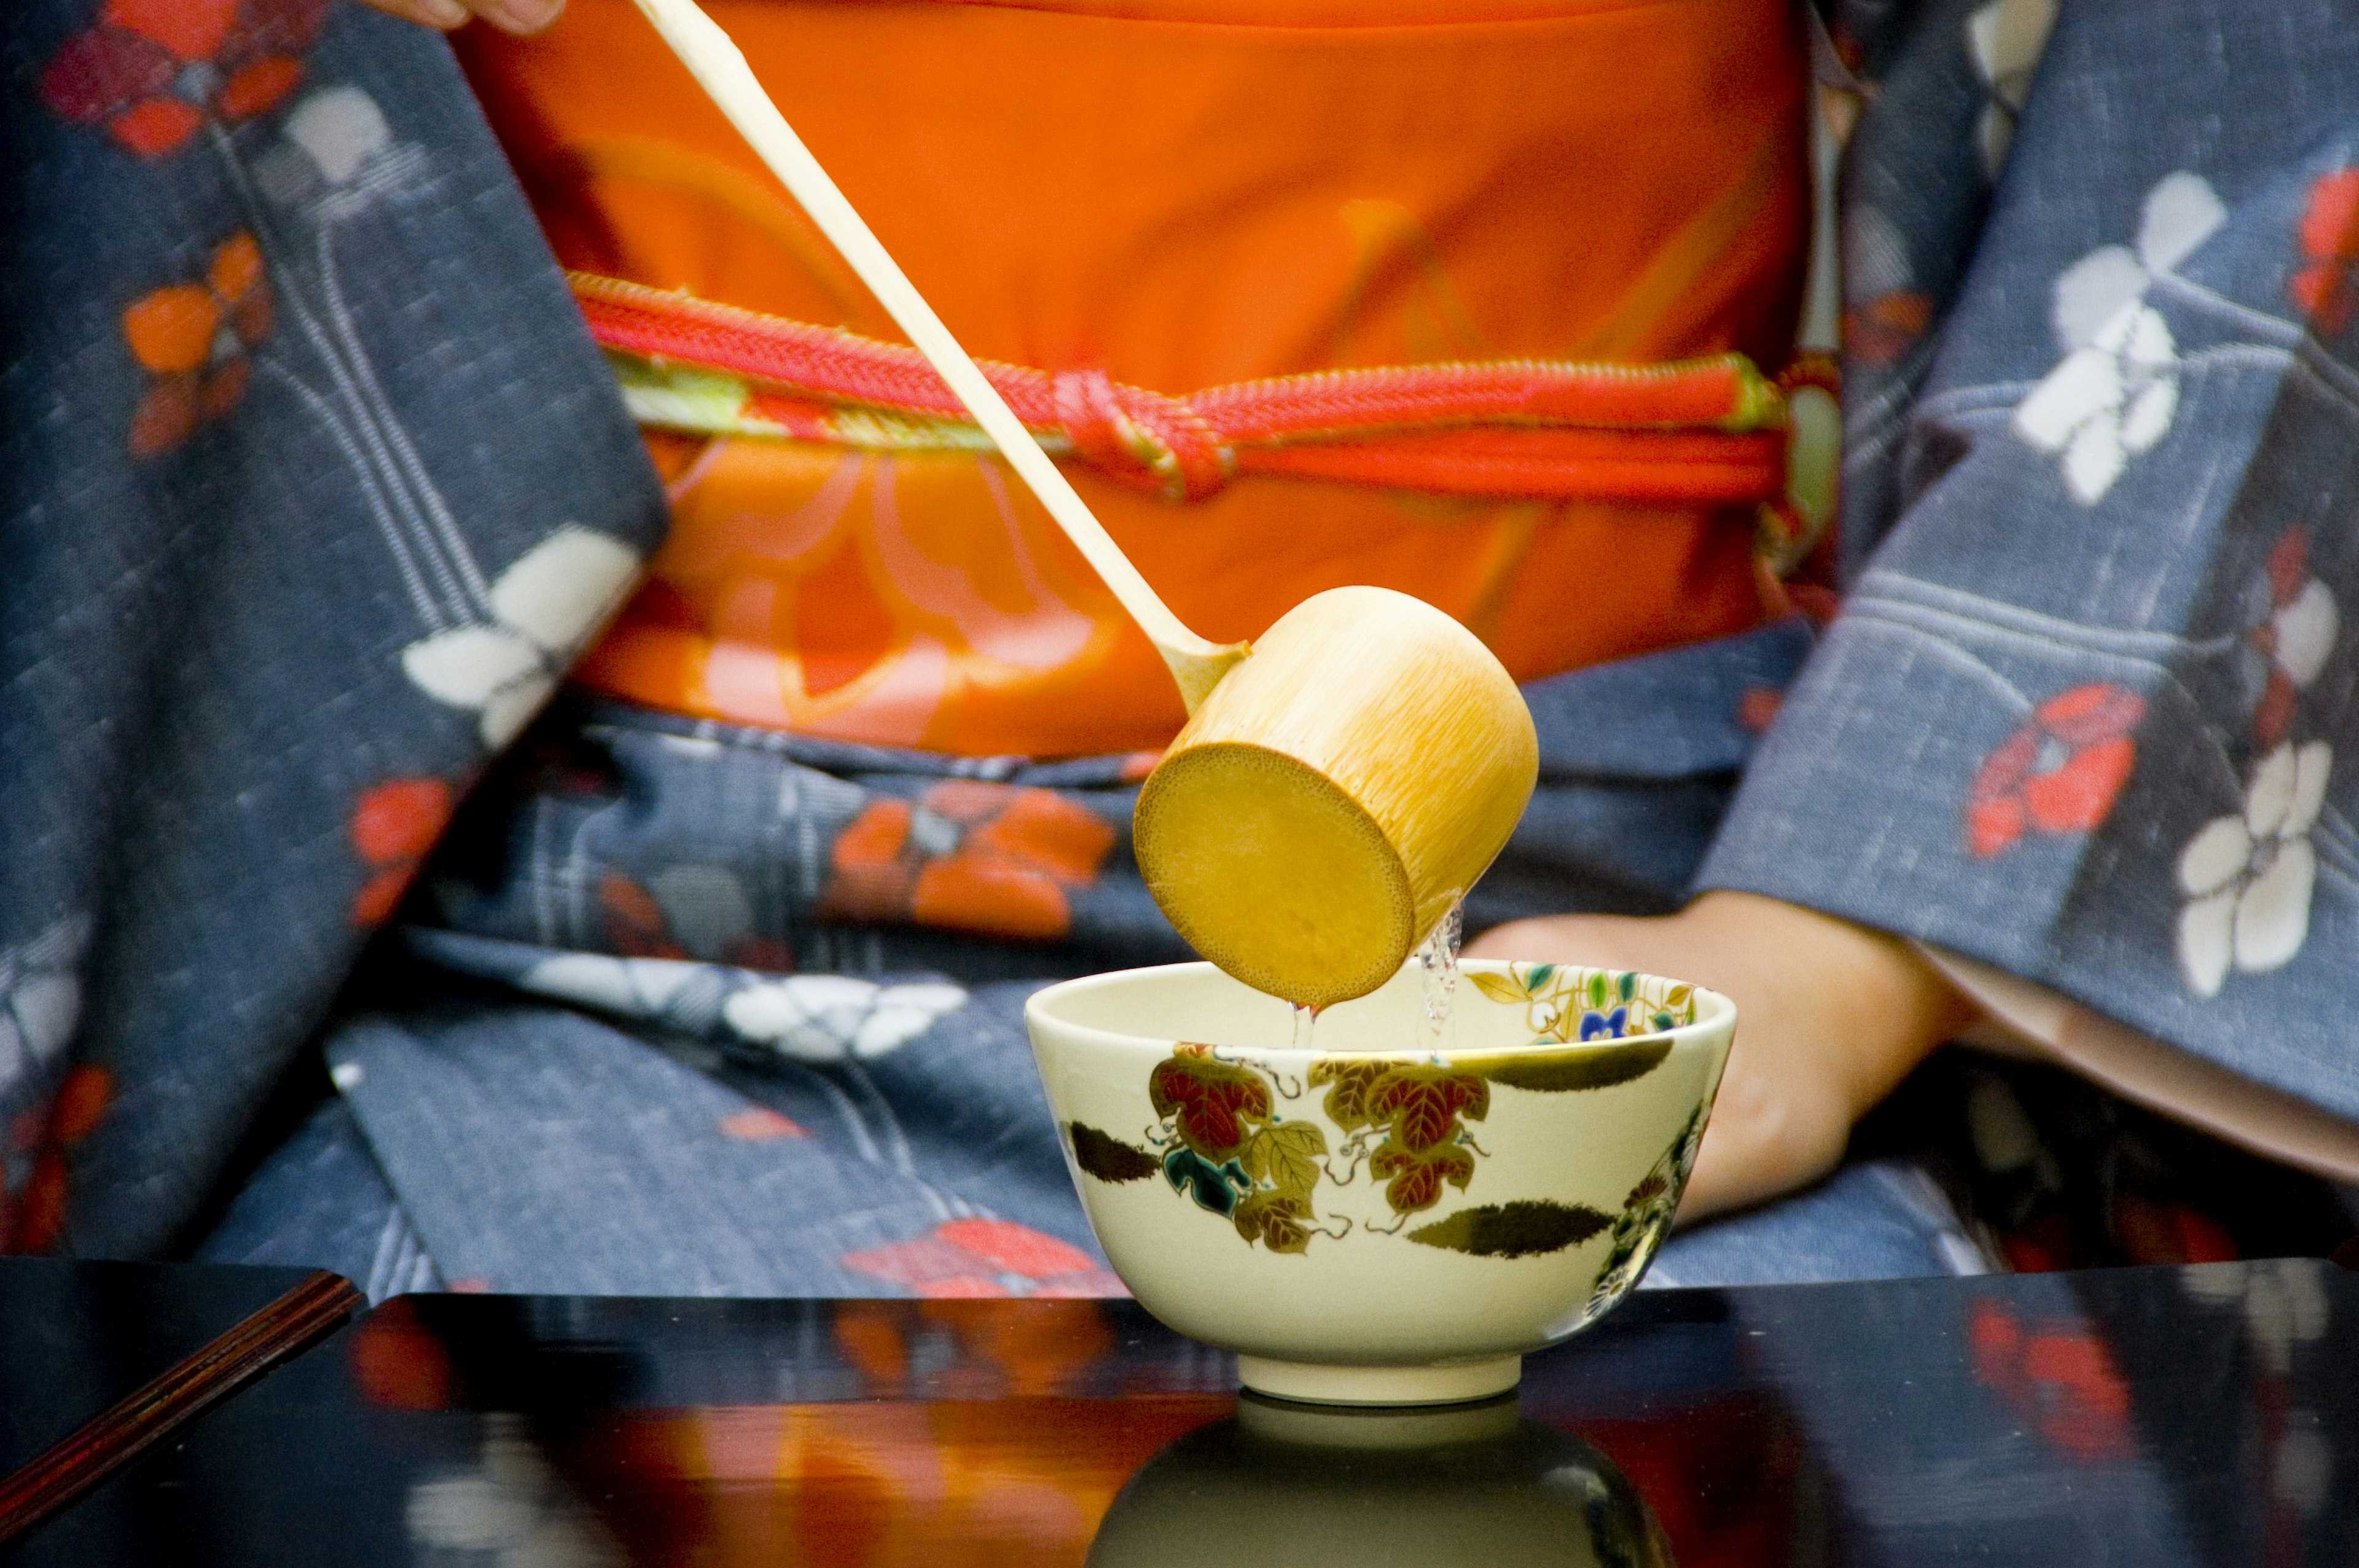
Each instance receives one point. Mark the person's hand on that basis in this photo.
(522, 17)
(1830, 1017)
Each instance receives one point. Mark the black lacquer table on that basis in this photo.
(2150, 1417)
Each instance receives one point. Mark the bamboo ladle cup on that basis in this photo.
(1337, 788)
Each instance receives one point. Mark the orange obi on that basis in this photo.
(1543, 236)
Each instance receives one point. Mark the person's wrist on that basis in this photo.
(1870, 1006)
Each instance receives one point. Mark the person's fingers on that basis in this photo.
(1770, 1132)
(443, 13)
(521, 17)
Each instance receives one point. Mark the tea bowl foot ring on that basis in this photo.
(1309, 1383)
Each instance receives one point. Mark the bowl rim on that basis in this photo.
(1714, 1012)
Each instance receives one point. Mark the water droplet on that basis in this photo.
(1437, 960)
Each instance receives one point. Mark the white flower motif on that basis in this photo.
(827, 1018)
(511, 1511)
(41, 997)
(341, 129)
(2303, 632)
(2292, 625)
(2006, 39)
(2284, 1308)
(338, 151)
(2248, 878)
(2116, 390)
(2106, 403)
(805, 1018)
(545, 608)
(635, 988)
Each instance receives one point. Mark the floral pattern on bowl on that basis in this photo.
(1239, 1140)
(1567, 1003)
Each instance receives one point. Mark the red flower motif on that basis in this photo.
(33, 1219)
(2059, 772)
(1881, 331)
(2330, 241)
(393, 827)
(753, 951)
(1757, 708)
(2157, 1232)
(2060, 1377)
(152, 72)
(2294, 639)
(2288, 567)
(636, 925)
(195, 336)
(760, 1124)
(969, 1258)
(989, 858)
(398, 1362)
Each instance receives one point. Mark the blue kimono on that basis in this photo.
(331, 940)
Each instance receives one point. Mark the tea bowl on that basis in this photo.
(1387, 1214)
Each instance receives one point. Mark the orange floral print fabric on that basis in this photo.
(193, 339)
(32, 1218)
(994, 860)
(154, 71)
(393, 827)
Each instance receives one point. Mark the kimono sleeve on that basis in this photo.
(312, 485)
(2086, 714)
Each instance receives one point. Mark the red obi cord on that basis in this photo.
(1707, 431)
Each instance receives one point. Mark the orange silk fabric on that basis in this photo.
(1184, 193)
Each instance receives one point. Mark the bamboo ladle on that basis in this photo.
(1337, 788)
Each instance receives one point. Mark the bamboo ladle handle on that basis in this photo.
(1324, 807)
(1196, 663)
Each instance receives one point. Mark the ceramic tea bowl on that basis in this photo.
(1381, 1217)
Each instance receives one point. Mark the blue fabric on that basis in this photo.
(542, 1152)
(241, 599)
(322, 1200)
(2088, 710)
(274, 605)
(636, 865)
(1874, 1219)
